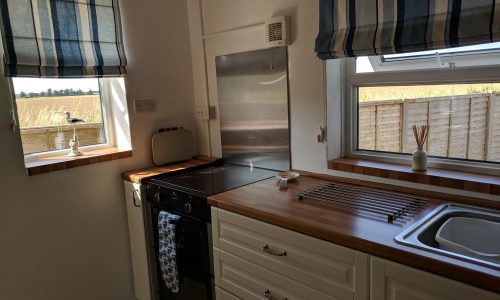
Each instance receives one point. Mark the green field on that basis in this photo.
(424, 91)
(47, 111)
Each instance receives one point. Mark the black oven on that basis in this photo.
(185, 194)
(194, 259)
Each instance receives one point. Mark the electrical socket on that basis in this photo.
(144, 105)
(205, 113)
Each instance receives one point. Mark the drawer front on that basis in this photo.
(318, 264)
(221, 294)
(392, 281)
(251, 282)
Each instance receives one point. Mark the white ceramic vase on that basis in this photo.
(419, 161)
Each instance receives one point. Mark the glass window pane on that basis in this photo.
(41, 107)
(464, 119)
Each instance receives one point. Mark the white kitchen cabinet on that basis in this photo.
(137, 234)
(392, 281)
(221, 294)
(253, 258)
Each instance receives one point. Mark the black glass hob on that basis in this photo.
(214, 180)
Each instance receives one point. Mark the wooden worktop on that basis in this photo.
(265, 202)
(139, 175)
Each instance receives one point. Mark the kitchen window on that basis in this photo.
(43, 106)
(40, 111)
(460, 103)
(65, 61)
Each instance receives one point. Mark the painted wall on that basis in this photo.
(63, 235)
(226, 26)
(220, 27)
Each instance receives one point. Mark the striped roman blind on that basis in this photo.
(62, 38)
(376, 27)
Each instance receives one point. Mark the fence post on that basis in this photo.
(469, 131)
(450, 126)
(428, 124)
(376, 127)
(404, 120)
(489, 126)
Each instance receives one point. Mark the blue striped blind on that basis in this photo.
(376, 27)
(62, 38)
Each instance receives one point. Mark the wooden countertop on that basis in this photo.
(263, 201)
(139, 175)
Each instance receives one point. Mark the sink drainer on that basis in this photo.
(383, 206)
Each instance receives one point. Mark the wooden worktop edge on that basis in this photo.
(137, 176)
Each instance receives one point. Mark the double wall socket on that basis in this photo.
(205, 113)
(144, 105)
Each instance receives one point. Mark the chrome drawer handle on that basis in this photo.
(270, 296)
(268, 250)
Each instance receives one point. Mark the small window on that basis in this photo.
(43, 106)
(460, 103)
(464, 119)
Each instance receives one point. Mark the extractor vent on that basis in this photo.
(278, 31)
(382, 206)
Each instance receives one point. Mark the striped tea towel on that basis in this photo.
(167, 249)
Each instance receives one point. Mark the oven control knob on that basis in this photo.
(157, 197)
(188, 207)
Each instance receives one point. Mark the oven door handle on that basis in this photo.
(134, 199)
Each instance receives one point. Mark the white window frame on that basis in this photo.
(107, 117)
(439, 61)
(349, 107)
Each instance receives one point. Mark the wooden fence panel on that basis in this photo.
(417, 114)
(367, 125)
(478, 128)
(388, 129)
(459, 127)
(494, 144)
(439, 131)
(465, 126)
(42, 139)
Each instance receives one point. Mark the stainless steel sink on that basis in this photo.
(422, 233)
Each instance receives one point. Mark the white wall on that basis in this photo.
(227, 26)
(63, 235)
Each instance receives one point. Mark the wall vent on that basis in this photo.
(278, 31)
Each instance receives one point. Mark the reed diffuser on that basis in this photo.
(419, 162)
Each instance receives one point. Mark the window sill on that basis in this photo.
(486, 184)
(56, 163)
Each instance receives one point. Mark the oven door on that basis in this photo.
(193, 259)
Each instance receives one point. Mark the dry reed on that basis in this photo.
(47, 111)
(421, 133)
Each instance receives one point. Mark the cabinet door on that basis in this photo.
(221, 294)
(328, 269)
(137, 234)
(392, 281)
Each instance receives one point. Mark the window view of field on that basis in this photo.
(464, 119)
(41, 113)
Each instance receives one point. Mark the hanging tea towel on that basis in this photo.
(167, 250)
